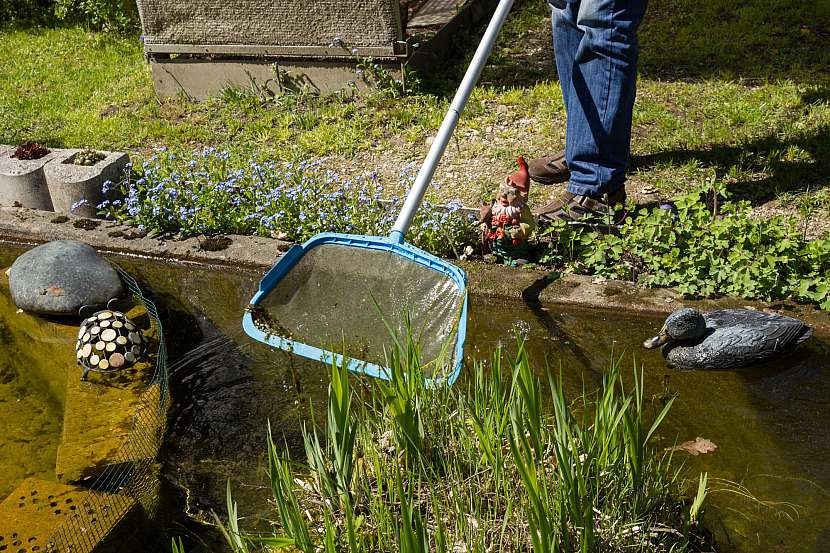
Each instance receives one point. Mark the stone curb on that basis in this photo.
(256, 254)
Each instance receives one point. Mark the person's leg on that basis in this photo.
(598, 75)
(566, 38)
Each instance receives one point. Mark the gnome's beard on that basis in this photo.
(510, 211)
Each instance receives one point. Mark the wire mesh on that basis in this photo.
(131, 480)
(350, 300)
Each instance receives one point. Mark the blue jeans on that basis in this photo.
(595, 45)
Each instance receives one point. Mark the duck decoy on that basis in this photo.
(726, 338)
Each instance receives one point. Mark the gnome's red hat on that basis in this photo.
(521, 178)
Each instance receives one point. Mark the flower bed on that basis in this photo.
(208, 194)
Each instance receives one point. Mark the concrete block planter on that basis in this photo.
(70, 184)
(22, 182)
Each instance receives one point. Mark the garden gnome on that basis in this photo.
(507, 223)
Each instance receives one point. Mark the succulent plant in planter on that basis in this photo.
(30, 150)
(88, 157)
(22, 181)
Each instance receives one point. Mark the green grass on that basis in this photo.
(400, 466)
(739, 91)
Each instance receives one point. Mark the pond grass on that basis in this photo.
(506, 464)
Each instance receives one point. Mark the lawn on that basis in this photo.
(738, 92)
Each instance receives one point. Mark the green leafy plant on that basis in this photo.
(700, 497)
(333, 464)
(287, 506)
(709, 247)
(402, 396)
(118, 16)
(27, 11)
(380, 77)
(176, 545)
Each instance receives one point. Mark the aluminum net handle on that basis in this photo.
(416, 194)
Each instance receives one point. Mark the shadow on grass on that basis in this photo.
(680, 40)
(770, 154)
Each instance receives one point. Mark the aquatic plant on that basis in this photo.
(209, 193)
(498, 468)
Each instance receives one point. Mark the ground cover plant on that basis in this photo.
(207, 194)
(704, 245)
(407, 467)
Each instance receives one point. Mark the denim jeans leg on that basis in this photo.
(595, 44)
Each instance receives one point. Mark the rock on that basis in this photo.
(60, 277)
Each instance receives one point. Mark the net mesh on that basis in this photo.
(361, 23)
(131, 480)
(341, 299)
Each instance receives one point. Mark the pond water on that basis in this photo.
(30, 410)
(769, 422)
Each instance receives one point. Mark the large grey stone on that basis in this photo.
(60, 277)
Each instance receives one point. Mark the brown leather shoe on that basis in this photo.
(572, 208)
(550, 169)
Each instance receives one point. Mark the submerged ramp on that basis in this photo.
(127, 487)
(29, 514)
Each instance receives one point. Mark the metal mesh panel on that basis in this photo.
(275, 23)
(133, 476)
(337, 297)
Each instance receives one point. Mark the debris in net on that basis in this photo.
(266, 323)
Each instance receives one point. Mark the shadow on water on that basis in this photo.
(769, 422)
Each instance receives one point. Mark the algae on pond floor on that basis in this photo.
(55, 425)
(31, 395)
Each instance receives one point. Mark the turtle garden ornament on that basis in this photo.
(108, 341)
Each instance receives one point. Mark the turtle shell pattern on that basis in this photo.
(108, 341)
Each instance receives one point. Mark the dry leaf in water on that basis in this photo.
(696, 447)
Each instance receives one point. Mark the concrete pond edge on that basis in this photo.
(257, 254)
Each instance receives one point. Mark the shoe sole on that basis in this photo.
(551, 180)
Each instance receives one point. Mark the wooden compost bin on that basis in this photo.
(200, 47)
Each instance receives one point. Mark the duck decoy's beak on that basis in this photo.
(661, 338)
